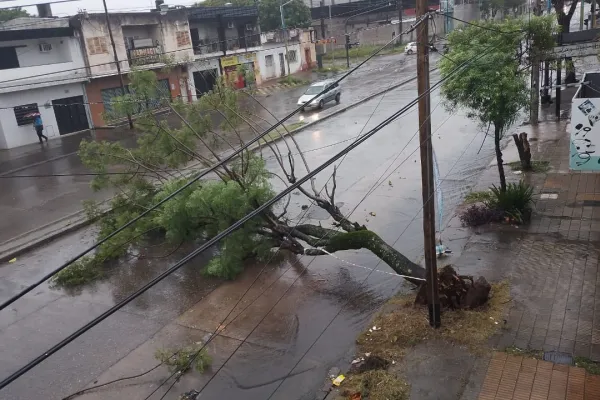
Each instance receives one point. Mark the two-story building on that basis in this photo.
(272, 57)
(225, 41)
(42, 70)
(143, 40)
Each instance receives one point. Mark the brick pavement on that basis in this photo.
(518, 378)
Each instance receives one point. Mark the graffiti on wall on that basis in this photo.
(585, 135)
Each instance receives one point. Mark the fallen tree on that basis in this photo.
(156, 168)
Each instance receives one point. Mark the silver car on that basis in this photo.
(333, 92)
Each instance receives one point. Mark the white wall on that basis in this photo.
(37, 67)
(12, 135)
(275, 50)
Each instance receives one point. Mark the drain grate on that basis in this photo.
(558, 358)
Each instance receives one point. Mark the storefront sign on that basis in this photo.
(246, 58)
(229, 61)
(585, 135)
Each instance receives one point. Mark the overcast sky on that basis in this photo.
(71, 8)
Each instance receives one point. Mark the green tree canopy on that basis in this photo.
(7, 15)
(493, 87)
(296, 13)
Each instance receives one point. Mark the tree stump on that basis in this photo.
(457, 291)
(524, 150)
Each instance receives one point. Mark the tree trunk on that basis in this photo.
(497, 136)
(369, 240)
(524, 150)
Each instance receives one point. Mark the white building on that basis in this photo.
(42, 70)
(272, 55)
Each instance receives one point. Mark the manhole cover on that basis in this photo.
(558, 357)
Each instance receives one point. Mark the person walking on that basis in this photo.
(39, 128)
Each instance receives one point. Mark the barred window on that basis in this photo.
(97, 45)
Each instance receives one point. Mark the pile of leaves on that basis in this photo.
(184, 359)
(513, 205)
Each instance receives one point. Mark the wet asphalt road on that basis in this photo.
(28, 203)
(293, 302)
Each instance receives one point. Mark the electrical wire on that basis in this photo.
(191, 361)
(191, 182)
(373, 269)
(211, 242)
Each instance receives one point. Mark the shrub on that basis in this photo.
(82, 271)
(181, 360)
(480, 214)
(515, 202)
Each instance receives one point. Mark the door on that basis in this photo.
(282, 63)
(204, 81)
(270, 65)
(70, 114)
(307, 58)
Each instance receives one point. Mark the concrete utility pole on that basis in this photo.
(581, 16)
(558, 83)
(400, 5)
(285, 36)
(535, 79)
(323, 18)
(428, 189)
(112, 43)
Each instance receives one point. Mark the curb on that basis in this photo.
(72, 222)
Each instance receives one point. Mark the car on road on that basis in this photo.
(410, 48)
(331, 91)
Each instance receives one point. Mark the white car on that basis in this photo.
(410, 48)
(333, 92)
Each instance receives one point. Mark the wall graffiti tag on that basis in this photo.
(585, 135)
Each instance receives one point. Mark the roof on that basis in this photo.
(204, 13)
(34, 28)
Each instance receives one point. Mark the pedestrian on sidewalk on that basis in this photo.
(39, 127)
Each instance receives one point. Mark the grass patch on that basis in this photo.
(376, 385)
(527, 353)
(405, 325)
(292, 80)
(278, 132)
(295, 125)
(478, 197)
(590, 366)
(185, 358)
(82, 271)
(408, 325)
(536, 166)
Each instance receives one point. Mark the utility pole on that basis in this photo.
(323, 19)
(428, 188)
(558, 83)
(285, 35)
(593, 21)
(348, 50)
(535, 78)
(112, 42)
(581, 16)
(400, 5)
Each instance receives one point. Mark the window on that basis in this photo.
(269, 60)
(97, 45)
(8, 58)
(23, 113)
(292, 56)
(183, 38)
(156, 100)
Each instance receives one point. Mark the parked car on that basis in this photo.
(410, 48)
(332, 91)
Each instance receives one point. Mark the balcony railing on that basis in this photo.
(279, 36)
(208, 46)
(144, 56)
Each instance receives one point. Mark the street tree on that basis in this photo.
(493, 89)
(12, 13)
(157, 167)
(296, 13)
(490, 8)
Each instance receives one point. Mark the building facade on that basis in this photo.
(147, 41)
(42, 71)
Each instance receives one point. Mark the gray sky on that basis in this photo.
(71, 8)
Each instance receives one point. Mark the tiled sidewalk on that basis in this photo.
(518, 378)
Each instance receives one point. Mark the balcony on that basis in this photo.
(41, 75)
(236, 45)
(278, 36)
(144, 56)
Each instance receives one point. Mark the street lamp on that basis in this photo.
(346, 29)
(285, 35)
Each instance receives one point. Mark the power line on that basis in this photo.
(191, 361)
(211, 242)
(191, 182)
(429, 199)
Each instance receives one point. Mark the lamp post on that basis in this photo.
(348, 35)
(285, 35)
